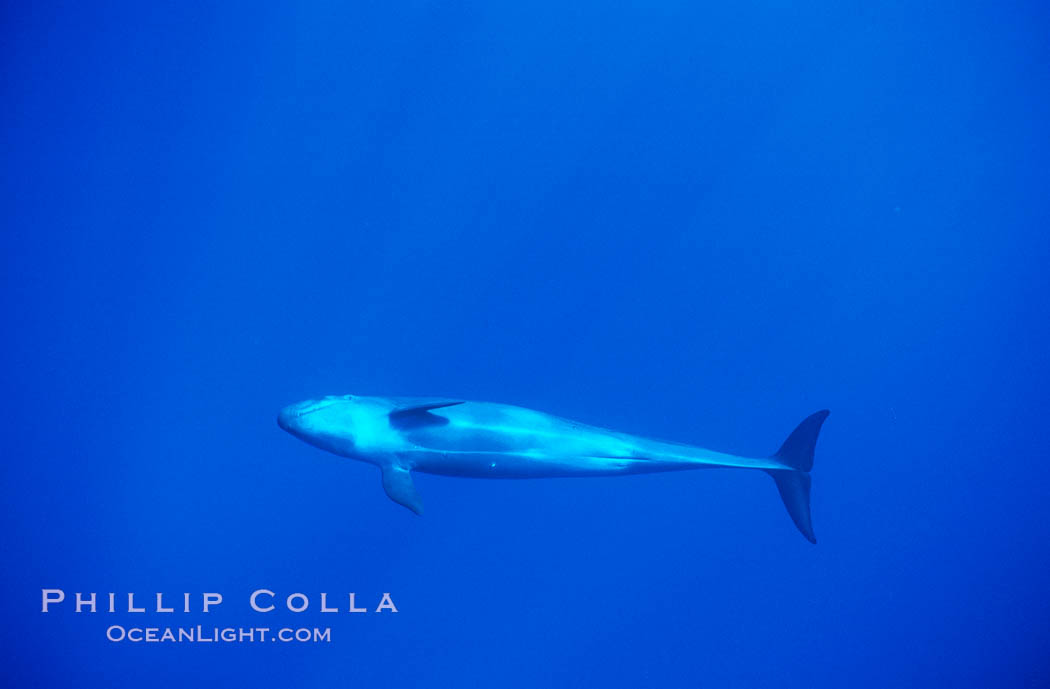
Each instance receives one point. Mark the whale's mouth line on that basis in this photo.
(317, 406)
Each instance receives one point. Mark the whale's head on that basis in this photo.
(364, 428)
(331, 423)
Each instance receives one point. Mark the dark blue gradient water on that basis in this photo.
(687, 222)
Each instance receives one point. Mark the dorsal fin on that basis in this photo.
(414, 412)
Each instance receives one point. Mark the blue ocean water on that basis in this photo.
(691, 222)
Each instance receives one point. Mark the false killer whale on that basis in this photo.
(486, 440)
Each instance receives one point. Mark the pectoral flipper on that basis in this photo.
(397, 482)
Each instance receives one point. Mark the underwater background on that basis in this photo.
(691, 221)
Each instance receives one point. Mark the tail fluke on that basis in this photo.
(794, 491)
(793, 483)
